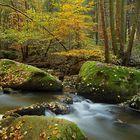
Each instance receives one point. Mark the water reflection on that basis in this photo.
(12, 101)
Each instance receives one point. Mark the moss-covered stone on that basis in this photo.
(20, 76)
(41, 128)
(108, 83)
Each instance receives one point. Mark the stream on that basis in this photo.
(98, 121)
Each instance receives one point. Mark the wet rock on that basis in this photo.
(67, 99)
(39, 109)
(38, 127)
(1, 90)
(69, 84)
(25, 77)
(59, 108)
(107, 83)
(36, 109)
(9, 91)
(135, 61)
(119, 123)
(134, 103)
(77, 98)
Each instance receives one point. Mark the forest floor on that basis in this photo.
(70, 62)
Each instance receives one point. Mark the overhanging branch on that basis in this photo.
(43, 27)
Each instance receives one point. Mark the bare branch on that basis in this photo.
(43, 27)
(15, 9)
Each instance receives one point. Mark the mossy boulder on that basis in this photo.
(108, 83)
(21, 76)
(41, 128)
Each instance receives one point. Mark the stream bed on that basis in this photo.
(98, 121)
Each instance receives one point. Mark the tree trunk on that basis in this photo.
(118, 19)
(122, 28)
(102, 11)
(138, 32)
(112, 25)
(24, 52)
(97, 22)
(45, 55)
(132, 35)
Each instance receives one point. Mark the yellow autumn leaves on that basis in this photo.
(95, 54)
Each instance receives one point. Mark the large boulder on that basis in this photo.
(108, 83)
(39, 128)
(21, 76)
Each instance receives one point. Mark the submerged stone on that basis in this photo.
(108, 83)
(21, 76)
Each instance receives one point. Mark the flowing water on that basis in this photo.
(104, 122)
(99, 121)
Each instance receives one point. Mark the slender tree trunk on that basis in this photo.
(24, 52)
(112, 25)
(50, 43)
(138, 31)
(132, 35)
(122, 28)
(102, 11)
(118, 19)
(129, 16)
(97, 22)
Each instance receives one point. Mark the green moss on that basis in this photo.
(6, 122)
(18, 75)
(37, 128)
(108, 82)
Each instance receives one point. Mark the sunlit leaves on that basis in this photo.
(67, 20)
